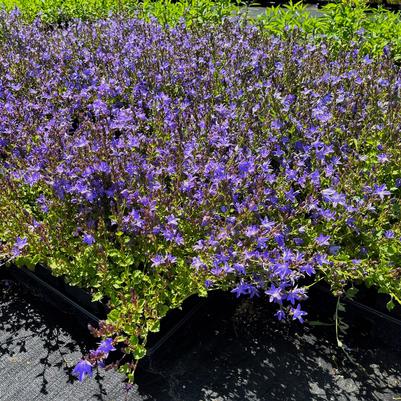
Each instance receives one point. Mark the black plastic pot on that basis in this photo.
(77, 302)
(368, 301)
(54, 290)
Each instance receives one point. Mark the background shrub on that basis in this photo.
(340, 24)
(166, 11)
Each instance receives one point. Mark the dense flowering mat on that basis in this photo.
(149, 163)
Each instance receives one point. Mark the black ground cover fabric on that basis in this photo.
(227, 351)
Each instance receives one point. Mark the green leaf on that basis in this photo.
(114, 253)
(140, 351)
(154, 326)
(351, 292)
(97, 297)
(133, 340)
(318, 323)
(162, 309)
(390, 305)
(114, 315)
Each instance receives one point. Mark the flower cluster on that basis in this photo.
(149, 164)
(84, 367)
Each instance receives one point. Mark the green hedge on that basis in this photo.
(341, 24)
(166, 11)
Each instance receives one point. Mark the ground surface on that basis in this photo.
(228, 351)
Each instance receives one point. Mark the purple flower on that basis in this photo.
(298, 241)
(42, 203)
(330, 195)
(389, 234)
(103, 167)
(295, 295)
(197, 263)
(288, 101)
(240, 268)
(327, 214)
(382, 158)
(307, 269)
(19, 245)
(81, 142)
(240, 289)
(106, 346)
(297, 313)
(246, 167)
(88, 239)
(321, 259)
(367, 59)
(82, 369)
(172, 220)
(275, 294)
(157, 260)
(322, 240)
(208, 283)
(251, 231)
(282, 270)
(276, 124)
(322, 114)
(334, 249)
(267, 224)
(170, 258)
(32, 178)
(279, 239)
(280, 314)
(381, 191)
(134, 220)
(179, 239)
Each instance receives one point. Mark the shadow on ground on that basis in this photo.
(229, 351)
(241, 353)
(39, 347)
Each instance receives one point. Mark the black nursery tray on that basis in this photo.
(77, 303)
(231, 349)
(68, 299)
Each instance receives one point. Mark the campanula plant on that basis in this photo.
(147, 164)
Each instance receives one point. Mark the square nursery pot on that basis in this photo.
(76, 301)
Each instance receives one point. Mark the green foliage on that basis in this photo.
(166, 11)
(278, 19)
(199, 11)
(340, 23)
